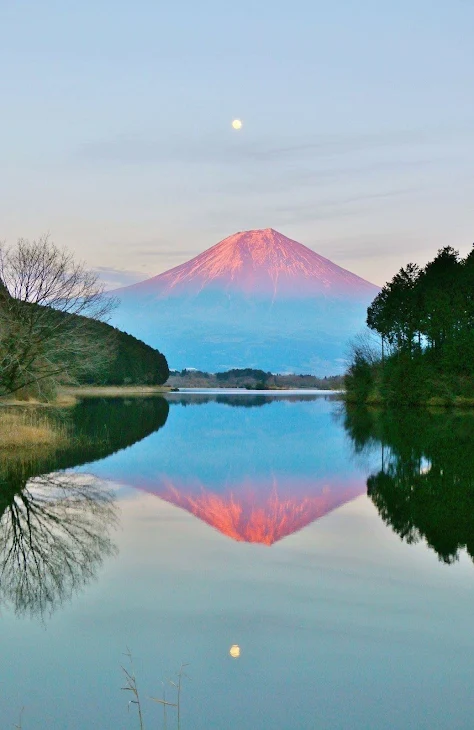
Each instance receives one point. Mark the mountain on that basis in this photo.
(256, 299)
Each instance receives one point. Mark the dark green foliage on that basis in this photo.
(259, 375)
(425, 487)
(394, 313)
(190, 373)
(425, 321)
(360, 378)
(131, 361)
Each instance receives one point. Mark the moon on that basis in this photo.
(237, 124)
(234, 651)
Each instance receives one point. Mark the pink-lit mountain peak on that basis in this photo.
(263, 262)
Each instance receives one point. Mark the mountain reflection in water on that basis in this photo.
(54, 526)
(263, 513)
(424, 488)
(256, 475)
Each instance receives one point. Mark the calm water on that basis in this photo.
(332, 549)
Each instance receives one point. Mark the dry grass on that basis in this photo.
(26, 429)
(63, 400)
(68, 396)
(113, 391)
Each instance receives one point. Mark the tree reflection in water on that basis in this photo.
(425, 486)
(54, 535)
(54, 525)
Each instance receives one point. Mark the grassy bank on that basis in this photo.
(62, 400)
(69, 396)
(23, 429)
(375, 399)
(113, 391)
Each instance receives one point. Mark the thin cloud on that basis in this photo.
(114, 278)
(320, 177)
(139, 150)
(368, 246)
(166, 253)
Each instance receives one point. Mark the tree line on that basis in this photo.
(252, 379)
(424, 319)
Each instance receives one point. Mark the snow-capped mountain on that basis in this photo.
(256, 299)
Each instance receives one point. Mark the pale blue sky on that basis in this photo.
(358, 135)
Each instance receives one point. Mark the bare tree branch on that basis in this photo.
(48, 303)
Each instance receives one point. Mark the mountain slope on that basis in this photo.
(256, 299)
(257, 263)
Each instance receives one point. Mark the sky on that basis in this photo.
(357, 137)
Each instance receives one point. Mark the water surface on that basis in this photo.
(332, 548)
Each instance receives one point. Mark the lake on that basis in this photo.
(311, 567)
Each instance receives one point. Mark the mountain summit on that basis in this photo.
(258, 263)
(255, 299)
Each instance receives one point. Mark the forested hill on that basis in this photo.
(87, 351)
(53, 329)
(131, 361)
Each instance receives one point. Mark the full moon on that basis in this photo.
(234, 651)
(237, 124)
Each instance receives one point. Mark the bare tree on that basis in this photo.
(365, 346)
(48, 303)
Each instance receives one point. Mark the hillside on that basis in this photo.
(131, 361)
(113, 358)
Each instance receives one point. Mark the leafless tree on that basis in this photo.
(47, 305)
(365, 346)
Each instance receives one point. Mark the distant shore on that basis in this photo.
(222, 390)
(252, 379)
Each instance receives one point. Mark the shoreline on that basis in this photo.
(114, 391)
(433, 402)
(253, 391)
(68, 396)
